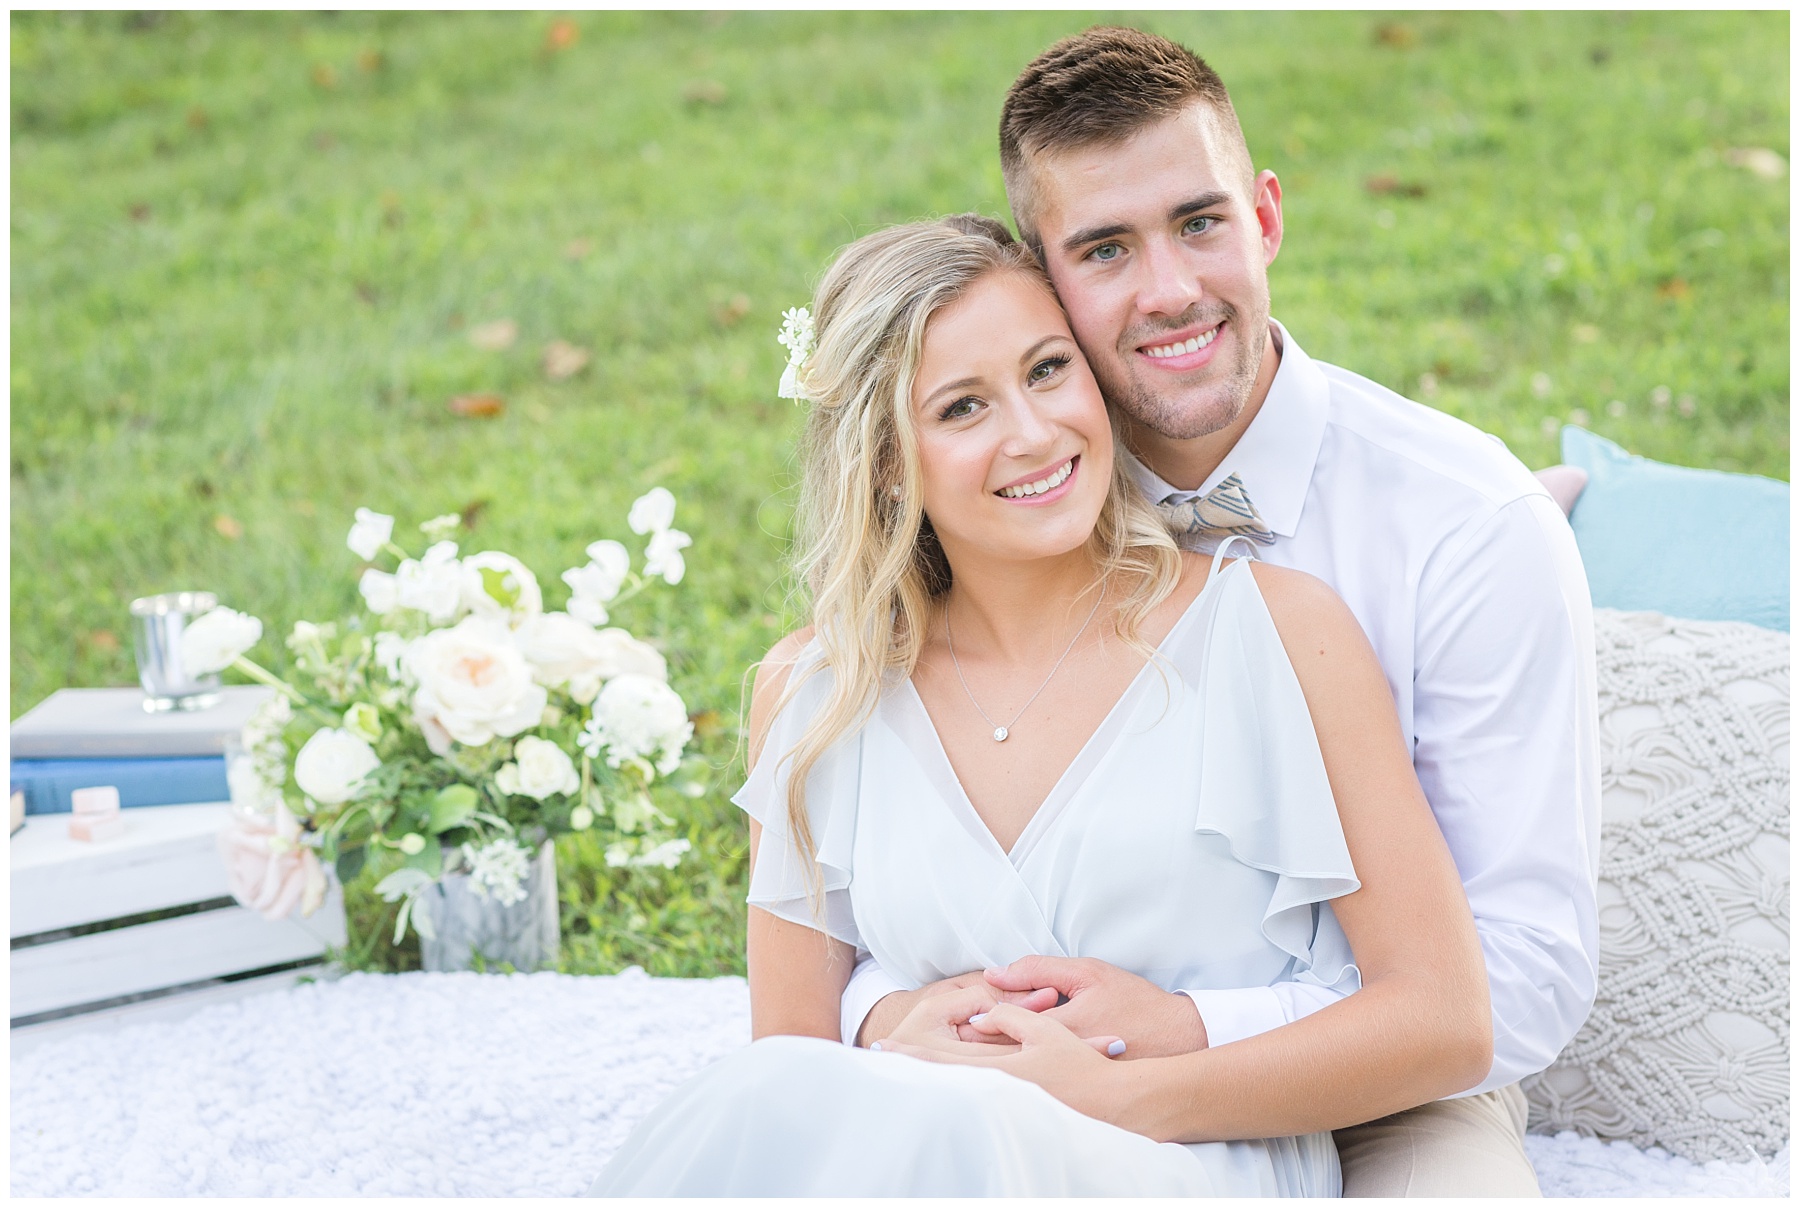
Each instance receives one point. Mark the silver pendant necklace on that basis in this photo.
(1000, 732)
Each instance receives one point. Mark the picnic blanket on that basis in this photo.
(460, 1084)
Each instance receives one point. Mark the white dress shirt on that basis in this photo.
(1465, 576)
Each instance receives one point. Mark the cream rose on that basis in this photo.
(267, 868)
(213, 640)
(622, 654)
(515, 578)
(474, 683)
(332, 764)
(563, 652)
(540, 769)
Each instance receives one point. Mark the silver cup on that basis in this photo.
(157, 622)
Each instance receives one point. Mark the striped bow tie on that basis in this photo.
(1224, 511)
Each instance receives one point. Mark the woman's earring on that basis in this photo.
(897, 493)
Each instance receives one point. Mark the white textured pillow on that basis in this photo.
(1687, 1047)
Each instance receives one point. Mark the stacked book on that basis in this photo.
(83, 738)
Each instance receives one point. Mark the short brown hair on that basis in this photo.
(1099, 87)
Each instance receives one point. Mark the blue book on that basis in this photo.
(182, 780)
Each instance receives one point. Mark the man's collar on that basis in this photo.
(1274, 458)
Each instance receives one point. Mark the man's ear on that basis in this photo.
(1266, 196)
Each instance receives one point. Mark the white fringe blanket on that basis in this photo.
(466, 1085)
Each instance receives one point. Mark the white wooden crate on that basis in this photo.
(83, 954)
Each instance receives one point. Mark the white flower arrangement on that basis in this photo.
(453, 721)
(797, 336)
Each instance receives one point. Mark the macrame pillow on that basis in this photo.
(1687, 1047)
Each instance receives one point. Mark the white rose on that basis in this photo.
(211, 641)
(562, 652)
(663, 555)
(622, 654)
(515, 577)
(637, 717)
(474, 683)
(332, 764)
(539, 769)
(380, 591)
(432, 584)
(390, 648)
(370, 532)
(652, 512)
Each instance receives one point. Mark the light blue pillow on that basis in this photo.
(1699, 544)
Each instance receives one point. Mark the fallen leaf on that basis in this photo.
(1674, 289)
(471, 512)
(455, 320)
(1396, 34)
(478, 406)
(324, 75)
(227, 527)
(1386, 183)
(706, 723)
(196, 118)
(1598, 55)
(563, 360)
(202, 489)
(495, 336)
(139, 212)
(324, 140)
(1760, 160)
(732, 311)
(366, 292)
(704, 92)
(561, 35)
(371, 61)
(101, 641)
(577, 249)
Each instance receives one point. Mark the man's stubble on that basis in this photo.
(1180, 414)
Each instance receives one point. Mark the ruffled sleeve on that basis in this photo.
(1263, 786)
(781, 883)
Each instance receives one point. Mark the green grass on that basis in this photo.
(246, 251)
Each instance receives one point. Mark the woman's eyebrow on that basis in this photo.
(1039, 346)
(947, 387)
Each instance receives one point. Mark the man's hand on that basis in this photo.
(1105, 1000)
(886, 1015)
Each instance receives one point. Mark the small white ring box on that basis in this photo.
(96, 815)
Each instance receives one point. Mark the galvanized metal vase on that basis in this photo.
(524, 935)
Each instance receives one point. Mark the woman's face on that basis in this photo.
(1015, 450)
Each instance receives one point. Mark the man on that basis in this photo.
(1127, 170)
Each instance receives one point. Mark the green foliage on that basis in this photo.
(248, 251)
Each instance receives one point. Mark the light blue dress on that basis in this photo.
(1193, 841)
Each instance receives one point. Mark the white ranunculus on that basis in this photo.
(637, 717)
(515, 578)
(663, 555)
(332, 764)
(211, 641)
(474, 683)
(370, 532)
(652, 512)
(380, 591)
(564, 652)
(539, 769)
(432, 584)
(390, 649)
(622, 654)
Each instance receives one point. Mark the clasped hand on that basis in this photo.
(1091, 1000)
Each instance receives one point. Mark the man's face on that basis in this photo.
(1159, 248)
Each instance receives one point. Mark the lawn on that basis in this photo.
(255, 256)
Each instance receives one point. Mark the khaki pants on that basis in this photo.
(1455, 1147)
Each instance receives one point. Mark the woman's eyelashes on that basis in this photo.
(1040, 372)
(960, 408)
(1047, 368)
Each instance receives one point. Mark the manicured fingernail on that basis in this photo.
(874, 1046)
(1115, 1048)
(978, 1018)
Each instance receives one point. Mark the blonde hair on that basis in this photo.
(864, 551)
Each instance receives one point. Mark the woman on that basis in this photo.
(1023, 722)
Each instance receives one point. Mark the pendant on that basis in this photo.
(999, 733)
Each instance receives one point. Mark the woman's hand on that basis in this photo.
(1022, 1043)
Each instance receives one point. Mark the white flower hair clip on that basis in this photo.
(797, 337)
